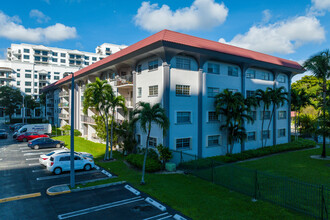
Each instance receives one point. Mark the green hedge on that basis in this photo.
(136, 160)
(207, 162)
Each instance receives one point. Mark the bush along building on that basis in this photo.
(184, 74)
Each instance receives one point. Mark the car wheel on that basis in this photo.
(36, 147)
(58, 145)
(25, 140)
(57, 171)
(87, 167)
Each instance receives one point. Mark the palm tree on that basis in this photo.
(148, 114)
(115, 101)
(319, 65)
(97, 95)
(237, 134)
(299, 99)
(278, 97)
(264, 97)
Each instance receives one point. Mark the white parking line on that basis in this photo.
(30, 154)
(166, 217)
(23, 148)
(99, 208)
(65, 175)
(156, 216)
(32, 158)
(0, 159)
(39, 170)
(34, 164)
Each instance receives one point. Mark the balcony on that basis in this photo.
(63, 105)
(64, 94)
(87, 120)
(124, 81)
(64, 116)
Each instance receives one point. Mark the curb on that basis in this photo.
(68, 190)
(13, 198)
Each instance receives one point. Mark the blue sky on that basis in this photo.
(290, 29)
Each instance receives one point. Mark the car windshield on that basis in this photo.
(50, 154)
(2, 130)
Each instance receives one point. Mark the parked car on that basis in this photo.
(37, 128)
(45, 143)
(61, 162)
(43, 160)
(30, 136)
(3, 133)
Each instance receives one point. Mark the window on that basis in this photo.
(71, 62)
(35, 84)
(78, 56)
(26, 57)
(35, 90)
(56, 77)
(183, 63)
(62, 61)
(212, 92)
(54, 54)
(57, 73)
(139, 69)
(250, 93)
(251, 136)
(28, 71)
(78, 62)
(18, 70)
(232, 71)
(281, 132)
(153, 65)
(36, 76)
(264, 76)
(250, 74)
(27, 75)
(153, 90)
(253, 115)
(182, 90)
(212, 116)
(54, 59)
(213, 68)
(139, 92)
(138, 139)
(44, 59)
(266, 116)
(213, 140)
(266, 134)
(28, 90)
(18, 83)
(66, 158)
(86, 58)
(183, 117)
(18, 75)
(152, 142)
(182, 143)
(282, 115)
(86, 63)
(233, 90)
(94, 58)
(37, 58)
(71, 56)
(107, 49)
(281, 78)
(26, 50)
(63, 55)
(28, 83)
(45, 53)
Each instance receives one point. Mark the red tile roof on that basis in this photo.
(188, 40)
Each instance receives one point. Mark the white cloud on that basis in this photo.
(321, 5)
(11, 29)
(202, 14)
(266, 15)
(39, 16)
(280, 37)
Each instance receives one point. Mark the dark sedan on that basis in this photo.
(45, 143)
(3, 133)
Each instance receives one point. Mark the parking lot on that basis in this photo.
(22, 175)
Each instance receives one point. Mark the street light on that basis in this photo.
(72, 177)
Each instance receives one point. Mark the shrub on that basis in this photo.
(152, 154)
(164, 153)
(136, 160)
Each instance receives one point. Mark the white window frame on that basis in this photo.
(232, 68)
(281, 78)
(183, 63)
(153, 65)
(214, 145)
(154, 91)
(208, 117)
(176, 117)
(282, 118)
(213, 94)
(186, 148)
(154, 139)
(139, 93)
(250, 74)
(213, 66)
(182, 88)
(279, 132)
(250, 93)
(255, 136)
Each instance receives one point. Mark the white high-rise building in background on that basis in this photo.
(31, 67)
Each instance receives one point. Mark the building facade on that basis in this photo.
(183, 73)
(32, 67)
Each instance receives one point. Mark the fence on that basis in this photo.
(309, 199)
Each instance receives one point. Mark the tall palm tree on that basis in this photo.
(97, 95)
(264, 97)
(237, 134)
(319, 65)
(148, 114)
(115, 101)
(278, 97)
(299, 99)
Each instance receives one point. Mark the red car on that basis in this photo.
(30, 136)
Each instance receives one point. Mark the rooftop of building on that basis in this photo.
(191, 41)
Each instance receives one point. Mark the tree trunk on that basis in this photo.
(106, 156)
(295, 125)
(145, 156)
(262, 127)
(324, 131)
(111, 143)
(270, 121)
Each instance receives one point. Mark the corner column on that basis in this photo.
(166, 99)
(289, 107)
(243, 68)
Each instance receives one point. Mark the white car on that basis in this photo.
(59, 163)
(44, 158)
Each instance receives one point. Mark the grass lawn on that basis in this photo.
(296, 165)
(188, 194)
